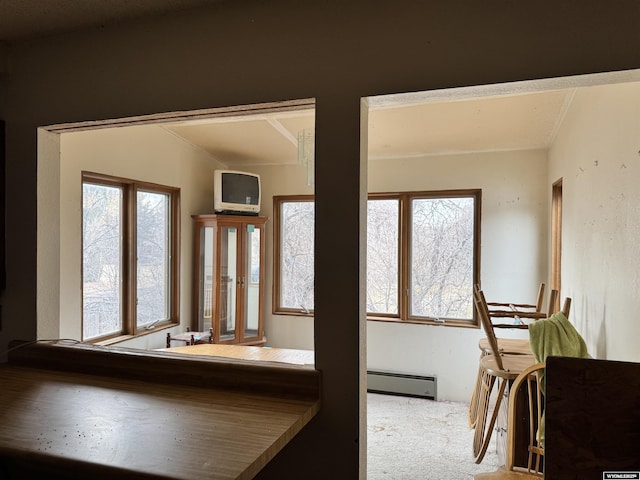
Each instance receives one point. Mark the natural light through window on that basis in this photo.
(422, 255)
(153, 257)
(296, 232)
(129, 256)
(442, 232)
(383, 254)
(101, 260)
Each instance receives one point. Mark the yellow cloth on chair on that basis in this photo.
(554, 336)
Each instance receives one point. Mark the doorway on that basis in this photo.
(556, 240)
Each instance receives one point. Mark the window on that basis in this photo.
(294, 268)
(130, 233)
(422, 256)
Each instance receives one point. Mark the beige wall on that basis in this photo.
(513, 256)
(597, 155)
(146, 153)
(514, 226)
(250, 51)
(282, 330)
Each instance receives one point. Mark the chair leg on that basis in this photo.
(472, 417)
(484, 424)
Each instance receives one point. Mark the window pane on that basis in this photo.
(252, 290)
(153, 257)
(228, 248)
(382, 256)
(442, 257)
(101, 260)
(296, 255)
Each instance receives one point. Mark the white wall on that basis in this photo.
(599, 215)
(147, 153)
(513, 256)
(286, 331)
(597, 154)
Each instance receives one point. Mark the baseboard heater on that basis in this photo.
(401, 384)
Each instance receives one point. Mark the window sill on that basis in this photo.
(448, 323)
(123, 338)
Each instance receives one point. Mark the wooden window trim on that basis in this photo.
(129, 268)
(277, 202)
(404, 256)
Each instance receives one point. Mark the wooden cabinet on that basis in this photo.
(229, 277)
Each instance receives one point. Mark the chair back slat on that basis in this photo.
(540, 298)
(553, 298)
(566, 307)
(487, 325)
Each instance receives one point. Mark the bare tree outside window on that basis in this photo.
(442, 244)
(101, 260)
(130, 256)
(296, 255)
(422, 252)
(153, 257)
(383, 252)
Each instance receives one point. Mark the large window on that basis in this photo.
(130, 233)
(422, 256)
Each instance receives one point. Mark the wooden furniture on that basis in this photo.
(528, 420)
(511, 346)
(566, 308)
(495, 365)
(516, 345)
(229, 277)
(103, 412)
(242, 352)
(592, 417)
(499, 367)
(191, 338)
(521, 310)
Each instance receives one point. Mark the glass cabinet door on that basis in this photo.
(205, 310)
(229, 278)
(252, 285)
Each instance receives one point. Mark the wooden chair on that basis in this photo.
(511, 346)
(191, 338)
(566, 308)
(521, 310)
(496, 366)
(527, 382)
(516, 345)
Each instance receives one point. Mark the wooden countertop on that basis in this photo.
(62, 418)
(242, 352)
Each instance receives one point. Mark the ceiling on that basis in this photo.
(400, 126)
(400, 129)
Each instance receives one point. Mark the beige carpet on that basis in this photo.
(413, 438)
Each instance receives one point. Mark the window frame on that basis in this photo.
(404, 256)
(276, 308)
(129, 189)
